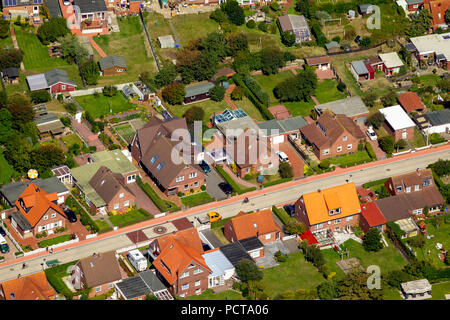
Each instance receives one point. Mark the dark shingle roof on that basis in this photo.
(88, 6)
(105, 183)
(151, 280)
(439, 117)
(133, 287)
(21, 221)
(235, 252)
(11, 72)
(57, 75)
(112, 61)
(252, 243)
(53, 8)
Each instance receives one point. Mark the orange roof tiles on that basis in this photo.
(372, 214)
(39, 202)
(319, 204)
(252, 224)
(410, 101)
(32, 287)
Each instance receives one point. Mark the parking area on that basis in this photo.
(212, 185)
(268, 261)
(294, 159)
(208, 236)
(12, 249)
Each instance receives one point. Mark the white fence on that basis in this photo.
(89, 236)
(400, 153)
(204, 227)
(79, 93)
(159, 215)
(51, 247)
(293, 236)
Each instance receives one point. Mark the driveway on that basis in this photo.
(268, 261)
(379, 153)
(294, 159)
(211, 238)
(212, 185)
(142, 201)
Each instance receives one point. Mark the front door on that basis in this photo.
(404, 135)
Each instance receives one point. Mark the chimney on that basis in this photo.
(318, 190)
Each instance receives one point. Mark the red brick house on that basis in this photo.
(23, 8)
(410, 182)
(123, 7)
(32, 287)
(371, 217)
(332, 135)
(154, 150)
(112, 65)
(438, 9)
(258, 224)
(411, 102)
(414, 5)
(397, 123)
(99, 272)
(37, 211)
(330, 210)
(179, 262)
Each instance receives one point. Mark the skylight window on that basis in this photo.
(160, 166)
(155, 157)
(255, 225)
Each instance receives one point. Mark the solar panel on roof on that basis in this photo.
(239, 113)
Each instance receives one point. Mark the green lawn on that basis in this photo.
(126, 131)
(418, 140)
(295, 273)
(163, 205)
(429, 80)
(249, 108)
(269, 82)
(129, 43)
(439, 290)
(102, 225)
(6, 170)
(55, 274)
(72, 139)
(101, 105)
(196, 199)
(300, 108)
(209, 106)
(193, 26)
(6, 43)
(391, 294)
(132, 217)
(327, 91)
(52, 241)
(351, 158)
(210, 295)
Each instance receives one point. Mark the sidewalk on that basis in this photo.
(96, 47)
(87, 135)
(237, 179)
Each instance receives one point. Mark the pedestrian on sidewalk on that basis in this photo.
(46, 249)
(51, 250)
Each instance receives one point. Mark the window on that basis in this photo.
(255, 254)
(319, 226)
(98, 289)
(349, 218)
(196, 184)
(192, 175)
(197, 283)
(186, 187)
(268, 236)
(337, 229)
(154, 158)
(180, 178)
(426, 182)
(110, 286)
(184, 275)
(416, 187)
(160, 166)
(185, 286)
(332, 211)
(399, 188)
(126, 203)
(116, 206)
(197, 271)
(55, 224)
(131, 178)
(45, 217)
(349, 146)
(63, 87)
(182, 295)
(344, 138)
(338, 210)
(119, 70)
(121, 195)
(260, 168)
(408, 189)
(339, 149)
(53, 215)
(198, 291)
(337, 221)
(270, 165)
(247, 170)
(326, 151)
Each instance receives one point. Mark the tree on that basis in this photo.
(271, 60)
(194, 114)
(40, 96)
(174, 93)
(389, 99)
(4, 28)
(418, 241)
(20, 107)
(216, 44)
(354, 287)
(3, 99)
(341, 86)
(71, 108)
(365, 42)
(72, 49)
(275, 6)
(301, 88)
(262, 26)
(370, 99)
(10, 58)
(400, 144)
(251, 24)
(166, 75)
(234, 12)
(217, 93)
(386, 144)
(303, 6)
(327, 290)
(53, 29)
(5, 125)
(109, 91)
(194, 64)
(288, 38)
(372, 240)
(375, 120)
(47, 156)
(285, 170)
(218, 15)
(90, 71)
(237, 93)
(420, 23)
(247, 271)
(295, 227)
(17, 152)
(314, 255)
(237, 42)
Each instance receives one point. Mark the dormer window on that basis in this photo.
(399, 188)
(344, 138)
(255, 225)
(416, 187)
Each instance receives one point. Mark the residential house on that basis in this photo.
(112, 65)
(375, 62)
(91, 16)
(166, 41)
(10, 75)
(416, 290)
(297, 25)
(49, 125)
(235, 252)
(414, 5)
(332, 135)
(153, 149)
(391, 63)
(353, 108)
(138, 287)
(414, 181)
(371, 217)
(397, 123)
(438, 9)
(411, 102)
(99, 272)
(123, 7)
(103, 181)
(329, 210)
(30, 287)
(221, 267)
(432, 48)
(434, 122)
(259, 224)
(198, 92)
(253, 246)
(55, 80)
(362, 70)
(179, 262)
(37, 211)
(24, 8)
(321, 62)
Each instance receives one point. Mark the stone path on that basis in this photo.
(229, 102)
(175, 35)
(87, 135)
(288, 6)
(96, 47)
(16, 46)
(315, 100)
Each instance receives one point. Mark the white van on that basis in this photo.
(137, 260)
(283, 156)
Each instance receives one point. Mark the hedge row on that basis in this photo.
(370, 151)
(232, 183)
(275, 182)
(254, 87)
(281, 214)
(261, 107)
(160, 203)
(395, 234)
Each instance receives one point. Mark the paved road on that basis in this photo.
(280, 194)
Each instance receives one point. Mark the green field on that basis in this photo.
(72, 139)
(209, 106)
(132, 217)
(351, 158)
(196, 199)
(327, 91)
(439, 290)
(6, 170)
(55, 240)
(193, 26)
(249, 108)
(100, 105)
(126, 131)
(269, 82)
(129, 43)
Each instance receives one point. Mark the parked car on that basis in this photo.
(206, 247)
(209, 217)
(66, 2)
(371, 134)
(2, 232)
(226, 188)
(283, 156)
(205, 167)
(71, 215)
(290, 209)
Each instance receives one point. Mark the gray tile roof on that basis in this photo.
(133, 287)
(37, 82)
(235, 252)
(331, 44)
(53, 8)
(21, 221)
(351, 107)
(251, 243)
(292, 124)
(111, 61)
(152, 281)
(88, 6)
(49, 117)
(198, 89)
(439, 117)
(57, 75)
(11, 72)
(359, 67)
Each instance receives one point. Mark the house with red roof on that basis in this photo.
(438, 9)
(32, 287)
(259, 224)
(411, 102)
(37, 211)
(371, 217)
(179, 262)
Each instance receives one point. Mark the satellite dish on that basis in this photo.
(32, 174)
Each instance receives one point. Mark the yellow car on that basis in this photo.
(214, 216)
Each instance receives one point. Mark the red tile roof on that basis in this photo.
(309, 237)
(372, 214)
(438, 9)
(410, 101)
(32, 287)
(250, 225)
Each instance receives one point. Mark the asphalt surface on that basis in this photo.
(281, 195)
(212, 185)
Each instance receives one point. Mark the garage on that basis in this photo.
(277, 139)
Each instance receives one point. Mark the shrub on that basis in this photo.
(238, 93)
(194, 114)
(71, 108)
(65, 121)
(217, 93)
(341, 86)
(275, 6)
(280, 256)
(40, 96)
(251, 24)
(285, 170)
(324, 164)
(203, 187)
(370, 150)
(262, 26)
(109, 91)
(372, 240)
(247, 270)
